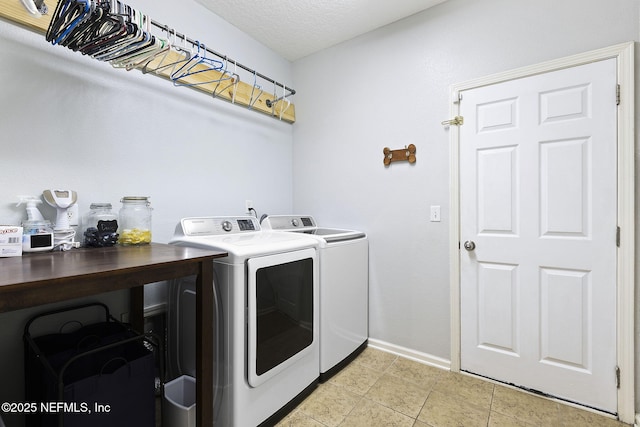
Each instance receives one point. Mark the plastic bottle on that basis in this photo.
(32, 202)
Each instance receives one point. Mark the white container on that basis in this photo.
(10, 240)
(179, 409)
(37, 236)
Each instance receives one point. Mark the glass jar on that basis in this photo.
(135, 221)
(100, 226)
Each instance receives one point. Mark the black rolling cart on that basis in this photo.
(99, 375)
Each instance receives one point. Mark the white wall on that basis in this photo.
(390, 88)
(68, 121)
(71, 122)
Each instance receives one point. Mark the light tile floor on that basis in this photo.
(381, 389)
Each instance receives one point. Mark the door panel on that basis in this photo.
(497, 207)
(564, 197)
(565, 104)
(565, 318)
(499, 115)
(538, 199)
(497, 303)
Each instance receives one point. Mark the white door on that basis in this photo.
(538, 201)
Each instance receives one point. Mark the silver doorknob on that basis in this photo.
(469, 245)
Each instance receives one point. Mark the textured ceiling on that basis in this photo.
(297, 28)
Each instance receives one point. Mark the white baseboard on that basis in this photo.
(418, 356)
(637, 423)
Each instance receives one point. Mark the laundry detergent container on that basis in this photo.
(179, 409)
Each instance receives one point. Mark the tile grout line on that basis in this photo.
(493, 396)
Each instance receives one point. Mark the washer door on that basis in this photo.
(282, 291)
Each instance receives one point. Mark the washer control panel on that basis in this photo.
(289, 222)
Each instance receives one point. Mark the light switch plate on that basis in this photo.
(435, 214)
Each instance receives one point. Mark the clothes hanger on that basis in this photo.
(82, 24)
(139, 53)
(84, 30)
(252, 101)
(161, 56)
(142, 39)
(284, 98)
(114, 46)
(182, 50)
(110, 30)
(60, 19)
(235, 79)
(226, 75)
(97, 26)
(208, 64)
(159, 47)
(111, 33)
(67, 16)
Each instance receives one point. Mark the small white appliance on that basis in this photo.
(344, 288)
(63, 234)
(62, 200)
(266, 355)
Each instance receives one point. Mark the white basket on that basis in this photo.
(179, 409)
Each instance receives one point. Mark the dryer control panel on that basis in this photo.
(212, 225)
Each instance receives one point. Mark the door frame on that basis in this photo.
(625, 299)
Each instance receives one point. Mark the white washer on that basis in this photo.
(344, 288)
(266, 356)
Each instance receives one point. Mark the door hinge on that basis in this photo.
(618, 236)
(617, 94)
(617, 377)
(456, 121)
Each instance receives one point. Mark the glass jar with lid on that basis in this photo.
(135, 221)
(100, 226)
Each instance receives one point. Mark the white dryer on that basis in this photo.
(266, 355)
(344, 288)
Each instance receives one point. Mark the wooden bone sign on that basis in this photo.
(404, 154)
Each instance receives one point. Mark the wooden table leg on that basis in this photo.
(204, 345)
(136, 308)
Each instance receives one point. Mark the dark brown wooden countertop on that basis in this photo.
(45, 277)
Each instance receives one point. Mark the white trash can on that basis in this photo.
(179, 409)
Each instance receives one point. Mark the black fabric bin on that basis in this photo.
(99, 375)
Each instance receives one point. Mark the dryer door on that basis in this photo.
(282, 315)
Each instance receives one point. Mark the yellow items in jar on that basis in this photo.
(134, 236)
